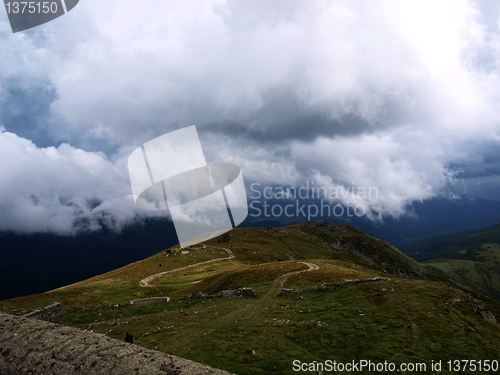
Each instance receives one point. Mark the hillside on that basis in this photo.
(355, 297)
(41, 261)
(469, 257)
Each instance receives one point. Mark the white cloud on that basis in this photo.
(47, 189)
(385, 94)
(178, 63)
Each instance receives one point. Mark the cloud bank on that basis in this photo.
(398, 95)
(63, 189)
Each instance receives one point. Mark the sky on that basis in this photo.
(401, 96)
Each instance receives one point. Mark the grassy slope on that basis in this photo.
(449, 242)
(413, 320)
(471, 258)
(478, 268)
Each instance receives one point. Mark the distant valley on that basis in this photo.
(469, 257)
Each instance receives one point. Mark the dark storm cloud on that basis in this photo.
(25, 109)
(283, 117)
(301, 126)
(484, 161)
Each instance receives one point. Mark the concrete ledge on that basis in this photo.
(147, 301)
(29, 346)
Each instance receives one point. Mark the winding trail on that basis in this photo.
(264, 302)
(145, 283)
(279, 282)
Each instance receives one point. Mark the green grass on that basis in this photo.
(471, 257)
(411, 323)
(479, 270)
(398, 320)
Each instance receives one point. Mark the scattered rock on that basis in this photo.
(479, 308)
(489, 317)
(95, 324)
(225, 293)
(237, 292)
(105, 307)
(285, 292)
(196, 295)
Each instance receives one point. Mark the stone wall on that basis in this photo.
(29, 346)
(51, 313)
(147, 301)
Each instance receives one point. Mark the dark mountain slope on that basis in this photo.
(36, 263)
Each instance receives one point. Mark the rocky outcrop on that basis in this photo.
(376, 253)
(487, 315)
(51, 313)
(384, 256)
(29, 346)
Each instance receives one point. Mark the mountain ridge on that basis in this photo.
(350, 306)
(469, 257)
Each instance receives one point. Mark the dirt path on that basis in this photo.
(248, 310)
(145, 283)
(283, 278)
(279, 282)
